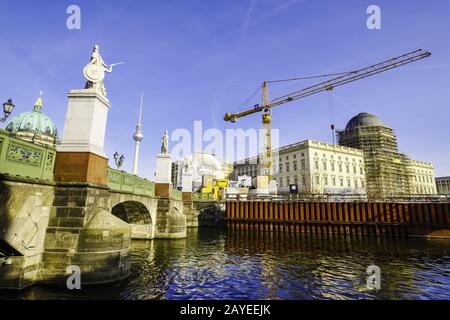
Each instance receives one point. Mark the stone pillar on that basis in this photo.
(170, 220)
(163, 184)
(186, 182)
(81, 229)
(82, 232)
(186, 186)
(81, 156)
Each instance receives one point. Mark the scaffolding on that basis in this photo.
(387, 172)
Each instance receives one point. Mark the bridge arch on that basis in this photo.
(132, 212)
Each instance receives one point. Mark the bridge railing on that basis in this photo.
(25, 159)
(177, 195)
(196, 196)
(126, 182)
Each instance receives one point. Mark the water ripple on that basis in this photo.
(213, 264)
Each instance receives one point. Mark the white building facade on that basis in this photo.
(443, 185)
(315, 167)
(422, 178)
(198, 165)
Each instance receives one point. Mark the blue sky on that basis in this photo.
(197, 59)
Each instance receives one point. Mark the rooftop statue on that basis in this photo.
(94, 71)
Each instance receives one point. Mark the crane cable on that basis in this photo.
(331, 112)
(312, 77)
(241, 106)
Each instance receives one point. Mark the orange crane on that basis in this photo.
(341, 79)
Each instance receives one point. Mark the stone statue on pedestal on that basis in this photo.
(95, 70)
(165, 143)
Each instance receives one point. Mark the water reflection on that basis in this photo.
(216, 264)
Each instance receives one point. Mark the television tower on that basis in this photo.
(137, 136)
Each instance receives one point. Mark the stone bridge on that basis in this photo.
(47, 225)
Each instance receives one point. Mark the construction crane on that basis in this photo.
(342, 78)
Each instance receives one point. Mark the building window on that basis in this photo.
(356, 183)
(303, 164)
(332, 166)
(347, 168)
(348, 182)
(294, 156)
(324, 165)
(361, 170)
(295, 165)
(333, 181)
(341, 182)
(340, 167)
(354, 169)
(317, 179)
(316, 165)
(325, 180)
(281, 167)
(287, 166)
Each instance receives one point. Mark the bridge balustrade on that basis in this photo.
(126, 182)
(25, 159)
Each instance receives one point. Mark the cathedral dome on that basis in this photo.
(364, 119)
(34, 126)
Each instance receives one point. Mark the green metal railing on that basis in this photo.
(202, 196)
(177, 195)
(126, 182)
(25, 159)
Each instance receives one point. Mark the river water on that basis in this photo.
(216, 264)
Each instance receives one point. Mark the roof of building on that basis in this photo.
(303, 145)
(33, 122)
(364, 119)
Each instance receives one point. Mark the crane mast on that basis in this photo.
(266, 159)
(266, 106)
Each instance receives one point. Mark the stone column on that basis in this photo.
(81, 229)
(81, 156)
(186, 186)
(163, 184)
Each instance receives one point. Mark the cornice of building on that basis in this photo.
(304, 145)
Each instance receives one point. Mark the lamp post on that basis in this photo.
(119, 160)
(8, 107)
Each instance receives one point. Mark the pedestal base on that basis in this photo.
(163, 190)
(186, 196)
(186, 182)
(163, 169)
(81, 167)
(85, 124)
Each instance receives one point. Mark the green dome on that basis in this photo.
(34, 126)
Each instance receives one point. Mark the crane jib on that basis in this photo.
(337, 81)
